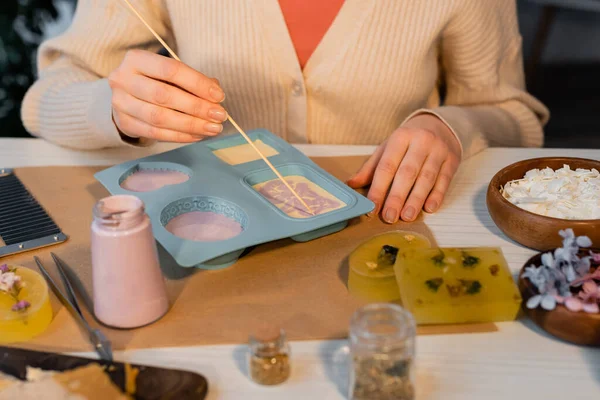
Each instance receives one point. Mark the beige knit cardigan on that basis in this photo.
(380, 62)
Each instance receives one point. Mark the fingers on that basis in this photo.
(404, 179)
(411, 171)
(165, 96)
(364, 176)
(137, 128)
(169, 96)
(161, 117)
(387, 167)
(447, 172)
(424, 183)
(175, 72)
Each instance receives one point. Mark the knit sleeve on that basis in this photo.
(486, 103)
(70, 102)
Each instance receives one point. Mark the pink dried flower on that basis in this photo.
(586, 300)
(589, 287)
(590, 292)
(591, 307)
(576, 304)
(21, 305)
(573, 304)
(586, 278)
(4, 268)
(595, 257)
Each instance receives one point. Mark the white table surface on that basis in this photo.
(517, 362)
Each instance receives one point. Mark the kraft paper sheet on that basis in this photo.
(300, 287)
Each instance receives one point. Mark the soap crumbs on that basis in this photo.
(564, 193)
(371, 265)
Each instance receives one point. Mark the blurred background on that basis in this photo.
(560, 47)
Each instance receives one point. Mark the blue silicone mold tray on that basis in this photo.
(225, 189)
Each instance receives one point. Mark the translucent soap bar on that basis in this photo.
(457, 285)
(371, 276)
(22, 325)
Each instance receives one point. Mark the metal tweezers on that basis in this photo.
(101, 345)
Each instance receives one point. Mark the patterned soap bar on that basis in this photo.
(457, 285)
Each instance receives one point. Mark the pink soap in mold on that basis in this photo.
(148, 180)
(318, 199)
(204, 226)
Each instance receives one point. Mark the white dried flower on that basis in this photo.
(564, 193)
(553, 279)
(8, 281)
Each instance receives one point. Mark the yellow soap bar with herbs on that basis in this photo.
(371, 274)
(457, 285)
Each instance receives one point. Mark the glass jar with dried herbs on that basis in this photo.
(382, 346)
(269, 357)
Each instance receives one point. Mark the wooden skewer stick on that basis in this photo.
(271, 166)
(172, 53)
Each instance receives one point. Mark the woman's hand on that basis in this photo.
(163, 99)
(411, 169)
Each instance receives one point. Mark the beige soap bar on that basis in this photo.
(244, 153)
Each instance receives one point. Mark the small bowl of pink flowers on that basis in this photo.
(561, 290)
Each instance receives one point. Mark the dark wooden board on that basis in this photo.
(152, 383)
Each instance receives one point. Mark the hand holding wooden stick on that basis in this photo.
(172, 53)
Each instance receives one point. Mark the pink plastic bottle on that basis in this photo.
(129, 288)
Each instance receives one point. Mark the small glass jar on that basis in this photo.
(129, 288)
(269, 357)
(382, 348)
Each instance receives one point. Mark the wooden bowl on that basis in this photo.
(575, 327)
(533, 230)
